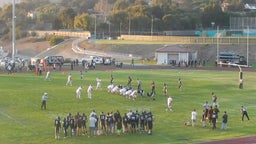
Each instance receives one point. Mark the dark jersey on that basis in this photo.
(133, 118)
(150, 118)
(72, 122)
(137, 117)
(125, 119)
(80, 122)
(65, 124)
(110, 119)
(84, 119)
(102, 117)
(57, 123)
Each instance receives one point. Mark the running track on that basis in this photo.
(241, 140)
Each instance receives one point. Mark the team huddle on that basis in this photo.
(104, 124)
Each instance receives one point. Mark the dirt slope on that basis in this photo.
(31, 47)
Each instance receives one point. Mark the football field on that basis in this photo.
(23, 121)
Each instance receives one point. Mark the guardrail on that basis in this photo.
(77, 49)
(80, 34)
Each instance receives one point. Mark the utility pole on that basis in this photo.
(13, 30)
(247, 46)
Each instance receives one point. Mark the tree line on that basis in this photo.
(112, 17)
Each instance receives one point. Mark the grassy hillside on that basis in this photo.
(22, 120)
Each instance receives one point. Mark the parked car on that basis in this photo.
(107, 61)
(97, 59)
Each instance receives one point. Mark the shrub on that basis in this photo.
(55, 40)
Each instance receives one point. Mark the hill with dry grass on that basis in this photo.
(31, 47)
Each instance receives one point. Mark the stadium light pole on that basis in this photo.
(95, 27)
(109, 33)
(218, 45)
(152, 25)
(120, 28)
(129, 24)
(247, 46)
(13, 30)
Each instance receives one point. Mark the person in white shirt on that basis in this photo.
(92, 125)
(78, 92)
(169, 103)
(114, 89)
(47, 77)
(69, 81)
(193, 117)
(44, 98)
(98, 80)
(206, 106)
(89, 91)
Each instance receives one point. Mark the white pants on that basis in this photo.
(89, 95)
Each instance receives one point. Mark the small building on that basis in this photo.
(174, 55)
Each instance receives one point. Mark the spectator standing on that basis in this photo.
(224, 121)
(132, 62)
(71, 66)
(92, 123)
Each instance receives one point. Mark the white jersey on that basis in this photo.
(193, 115)
(98, 83)
(79, 90)
(47, 75)
(110, 87)
(115, 89)
(89, 90)
(69, 81)
(122, 91)
(169, 101)
(69, 77)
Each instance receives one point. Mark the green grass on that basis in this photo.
(22, 120)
